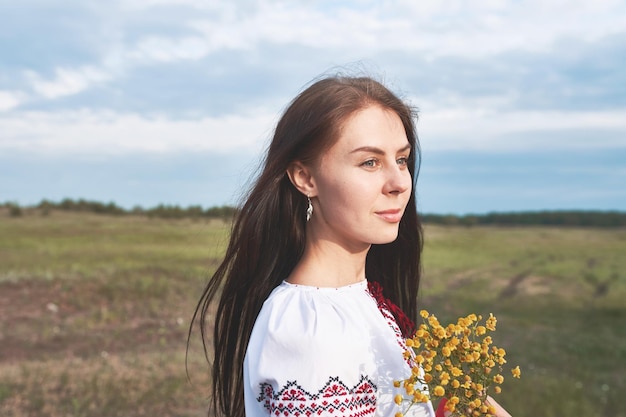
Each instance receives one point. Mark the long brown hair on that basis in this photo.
(268, 234)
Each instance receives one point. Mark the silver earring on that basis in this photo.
(309, 209)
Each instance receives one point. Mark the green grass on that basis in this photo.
(559, 298)
(94, 312)
(87, 246)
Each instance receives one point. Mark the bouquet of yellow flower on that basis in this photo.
(457, 362)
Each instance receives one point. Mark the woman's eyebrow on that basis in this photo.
(378, 151)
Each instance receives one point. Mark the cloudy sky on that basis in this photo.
(522, 103)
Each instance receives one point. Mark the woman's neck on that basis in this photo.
(326, 264)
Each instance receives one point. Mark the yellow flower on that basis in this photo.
(440, 332)
(399, 414)
(424, 313)
(498, 379)
(396, 384)
(450, 407)
(398, 399)
(439, 391)
(516, 372)
(497, 389)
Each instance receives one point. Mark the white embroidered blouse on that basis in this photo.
(325, 352)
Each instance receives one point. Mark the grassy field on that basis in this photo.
(94, 312)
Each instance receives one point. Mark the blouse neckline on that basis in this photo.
(357, 285)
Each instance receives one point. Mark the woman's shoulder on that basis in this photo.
(304, 318)
(288, 295)
(311, 334)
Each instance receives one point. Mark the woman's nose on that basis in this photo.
(398, 181)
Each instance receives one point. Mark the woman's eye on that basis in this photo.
(402, 161)
(370, 163)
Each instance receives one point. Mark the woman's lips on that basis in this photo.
(391, 216)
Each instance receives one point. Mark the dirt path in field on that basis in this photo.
(50, 319)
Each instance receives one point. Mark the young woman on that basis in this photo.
(320, 278)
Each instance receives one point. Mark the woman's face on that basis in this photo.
(362, 183)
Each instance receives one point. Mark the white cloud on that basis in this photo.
(96, 133)
(195, 4)
(161, 49)
(486, 129)
(477, 29)
(453, 28)
(432, 29)
(9, 100)
(67, 81)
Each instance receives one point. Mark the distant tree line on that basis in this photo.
(533, 218)
(529, 218)
(86, 206)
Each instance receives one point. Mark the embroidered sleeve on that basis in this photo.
(334, 399)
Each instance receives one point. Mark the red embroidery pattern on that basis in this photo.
(376, 291)
(335, 399)
(402, 321)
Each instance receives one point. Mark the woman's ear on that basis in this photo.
(302, 178)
